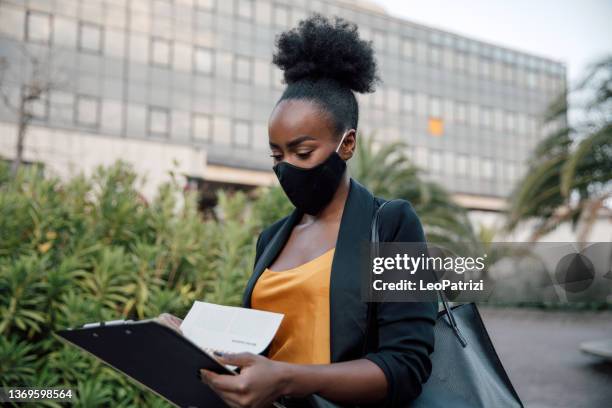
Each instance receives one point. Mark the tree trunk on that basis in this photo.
(22, 124)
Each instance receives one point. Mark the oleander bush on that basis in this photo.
(92, 248)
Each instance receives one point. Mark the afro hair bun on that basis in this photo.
(321, 48)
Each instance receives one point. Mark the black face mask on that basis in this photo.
(311, 189)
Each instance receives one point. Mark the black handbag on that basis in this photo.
(466, 370)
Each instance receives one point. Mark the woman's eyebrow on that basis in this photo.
(299, 140)
(294, 142)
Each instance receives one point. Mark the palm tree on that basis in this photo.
(570, 172)
(388, 172)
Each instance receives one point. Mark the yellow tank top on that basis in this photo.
(302, 295)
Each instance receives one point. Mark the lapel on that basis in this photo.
(347, 310)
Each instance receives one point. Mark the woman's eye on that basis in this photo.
(276, 157)
(304, 155)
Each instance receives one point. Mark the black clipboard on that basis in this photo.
(155, 356)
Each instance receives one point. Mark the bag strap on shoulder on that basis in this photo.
(371, 324)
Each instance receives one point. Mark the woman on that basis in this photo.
(306, 264)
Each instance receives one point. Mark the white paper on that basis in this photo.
(230, 329)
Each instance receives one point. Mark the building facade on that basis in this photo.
(190, 84)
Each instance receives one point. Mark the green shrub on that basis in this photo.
(93, 248)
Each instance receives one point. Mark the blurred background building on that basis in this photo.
(189, 85)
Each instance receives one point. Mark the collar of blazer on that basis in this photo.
(347, 310)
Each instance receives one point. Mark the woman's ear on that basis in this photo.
(347, 148)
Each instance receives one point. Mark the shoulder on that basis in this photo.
(399, 222)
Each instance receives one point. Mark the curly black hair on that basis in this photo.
(325, 61)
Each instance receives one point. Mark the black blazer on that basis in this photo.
(405, 330)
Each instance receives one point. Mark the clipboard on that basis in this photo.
(153, 355)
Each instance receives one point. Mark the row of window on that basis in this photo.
(281, 15)
(142, 12)
(87, 113)
(89, 37)
(441, 112)
(276, 14)
(463, 165)
(91, 113)
(469, 114)
(107, 115)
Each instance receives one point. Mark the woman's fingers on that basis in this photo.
(223, 385)
(171, 321)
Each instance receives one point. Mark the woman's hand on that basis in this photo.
(260, 382)
(170, 320)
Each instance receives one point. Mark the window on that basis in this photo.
(244, 69)
(421, 104)
(114, 43)
(407, 101)
(39, 108)
(449, 163)
(261, 72)
(241, 134)
(181, 57)
(245, 9)
(379, 98)
(448, 109)
(487, 118)
(447, 58)
(461, 112)
(435, 107)
(473, 63)
(65, 32)
(280, 15)
(435, 126)
(90, 38)
(435, 161)
(201, 127)
(161, 7)
(474, 115)
(508, 73)
(38, 27)
(510, 120)
(485, 68)
(205, 4)
(420, 156)
(112, 117)
(222, 129)
(421, 52)
(460, 61)
(87, 111)
(203, 60)
(521, 123)
(487, 169)
(263, 12)
(379, 40)
(136, 119)
(407, 48)
(435, 56)
(159, 121)
(474, 166)
(62, 107)
(393, 99)
(498, 119)
(160, 52)
(462, 165)
(138, 48)
(498, 69)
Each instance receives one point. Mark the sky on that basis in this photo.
(576, 32)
